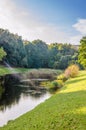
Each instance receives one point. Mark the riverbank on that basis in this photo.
(10, 70)
(66, 110)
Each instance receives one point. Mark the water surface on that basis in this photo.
(25, 104)
(18, 99)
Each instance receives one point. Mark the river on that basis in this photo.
(19, 99)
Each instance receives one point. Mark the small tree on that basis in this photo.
(2, 53)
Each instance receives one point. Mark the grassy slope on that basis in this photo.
(63, 111)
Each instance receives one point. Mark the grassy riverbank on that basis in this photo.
(66, 110)
(6, 70)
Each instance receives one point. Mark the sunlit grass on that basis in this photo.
(76, 84)
(66, 110)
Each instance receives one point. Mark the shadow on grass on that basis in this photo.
(81, 75)
(75, 81)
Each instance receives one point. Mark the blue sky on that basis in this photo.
(48, 20)
(64, 11)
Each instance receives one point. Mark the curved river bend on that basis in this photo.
(18, 99)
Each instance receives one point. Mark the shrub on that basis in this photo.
(56, 84)
(42, 73)
(62, 77)
(60, 83)
(71, 71)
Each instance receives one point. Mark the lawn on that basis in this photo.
(65, 110)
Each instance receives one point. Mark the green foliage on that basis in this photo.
(82, 52)
(36, 54)
(2, 53)
(60, 83)
(62, 77)
(57, 84)
(54, 85)
(13, 46)
(61, 55)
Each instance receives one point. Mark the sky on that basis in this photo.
(61, 21)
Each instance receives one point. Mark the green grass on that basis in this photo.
(6, 70)
(66, 110)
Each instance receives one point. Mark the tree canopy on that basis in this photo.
(36, 54)
(82, 52)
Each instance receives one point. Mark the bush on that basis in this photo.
(56, 84)
(60, 83)
(71, 71)
(62, 77)
(42, 73)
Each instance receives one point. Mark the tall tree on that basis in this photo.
(82, 52)
(14, 47)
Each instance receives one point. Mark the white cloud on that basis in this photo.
(23, 22)
(81, 26)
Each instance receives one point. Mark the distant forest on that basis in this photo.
(36, 54)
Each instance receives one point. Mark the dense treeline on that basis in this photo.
(36, 54)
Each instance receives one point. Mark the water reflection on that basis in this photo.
(18, 98)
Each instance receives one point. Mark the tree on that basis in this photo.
(64, 61)
(35, 54)
(2, 53)
(14, 47)
(82, 52)
(41, 55)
